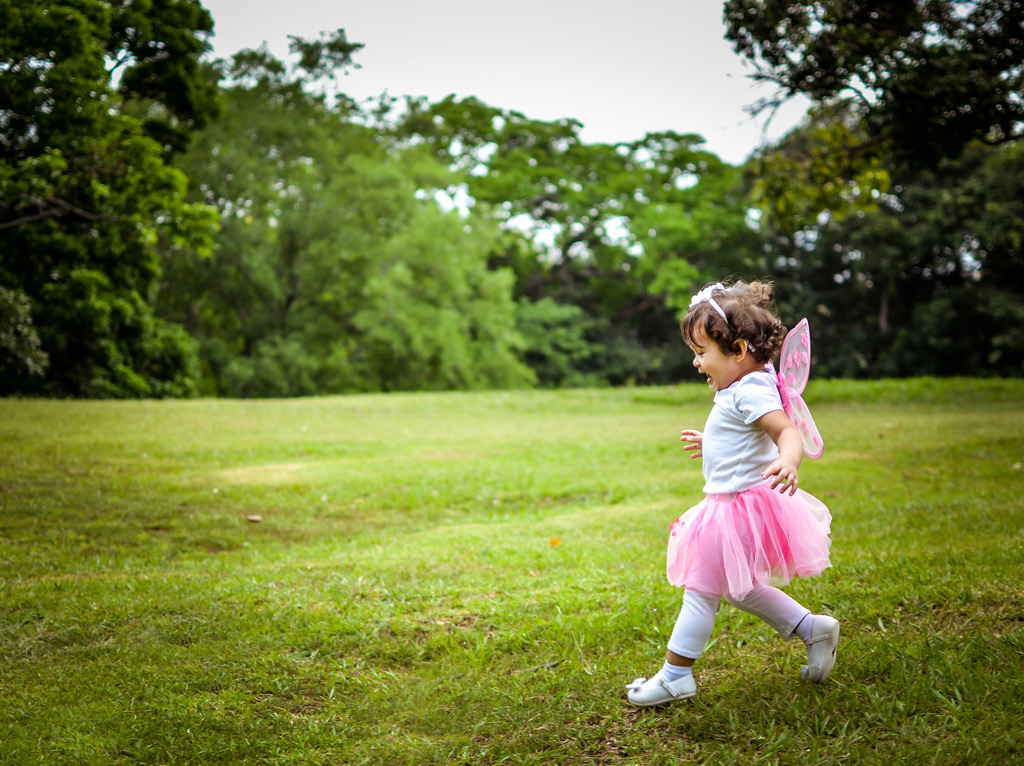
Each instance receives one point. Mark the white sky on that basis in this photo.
(623, 69)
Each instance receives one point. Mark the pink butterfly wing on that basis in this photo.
(795, 360)
(795, 368)
(801, 417)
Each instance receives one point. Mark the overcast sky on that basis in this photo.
(622, 69)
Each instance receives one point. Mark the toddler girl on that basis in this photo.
(754, 528)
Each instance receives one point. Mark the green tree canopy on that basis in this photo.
(929, 281)
(335, 269)
(927, 76)
(87, 203)
(892, 213)
(618, 234)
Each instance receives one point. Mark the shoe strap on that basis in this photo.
(826, 636)
(669, 686)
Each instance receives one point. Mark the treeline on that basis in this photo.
(173, 226)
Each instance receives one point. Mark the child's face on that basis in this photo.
(721, 369)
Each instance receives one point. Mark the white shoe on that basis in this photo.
(821, 649)
(657, 691)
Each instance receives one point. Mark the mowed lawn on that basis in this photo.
(472, 578)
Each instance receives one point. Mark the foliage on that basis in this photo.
(20, 351)
(326, 56)
(621, 232)
(555, 342)
(472, 578)
(335, 270)
(929, 282)
(893, 215)
(155, 46)
(461, 245)
(820, 167)
(927, 76)
(87, 204)
(896, 89)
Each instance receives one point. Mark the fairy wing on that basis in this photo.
(795, 358)
(801, 417)
(795, 369)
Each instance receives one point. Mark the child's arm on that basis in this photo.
(791, 450)
(696, 439)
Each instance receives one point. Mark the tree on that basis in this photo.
(929, 282)
(818, 169)
(155, 46)
(334, 270)
(619, 233)
(20, 349)
(927, 77)
(87, 203)
(892, 212)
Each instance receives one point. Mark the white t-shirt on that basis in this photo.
(736, 452)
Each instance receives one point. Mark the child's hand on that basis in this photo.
(786, 475)
(696, 439)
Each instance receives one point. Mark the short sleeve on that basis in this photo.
(756, 396)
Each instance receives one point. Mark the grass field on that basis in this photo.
(473, 578)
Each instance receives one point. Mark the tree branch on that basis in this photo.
(54, 207)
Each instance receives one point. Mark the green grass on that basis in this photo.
(473, 578)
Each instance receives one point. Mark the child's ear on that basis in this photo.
(740, 349)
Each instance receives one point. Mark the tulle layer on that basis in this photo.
(727, 545)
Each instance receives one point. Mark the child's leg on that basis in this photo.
(689, 637)
(775, 607)
(820, 633)
(693, 628)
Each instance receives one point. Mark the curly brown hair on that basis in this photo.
(749, 307)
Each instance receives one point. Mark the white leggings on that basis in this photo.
(697, 617)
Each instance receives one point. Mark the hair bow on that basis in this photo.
(706, 295)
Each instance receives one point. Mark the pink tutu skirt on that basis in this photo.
(727, 545)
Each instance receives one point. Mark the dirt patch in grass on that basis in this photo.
(272, 473)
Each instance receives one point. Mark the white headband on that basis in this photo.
(705, 295)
